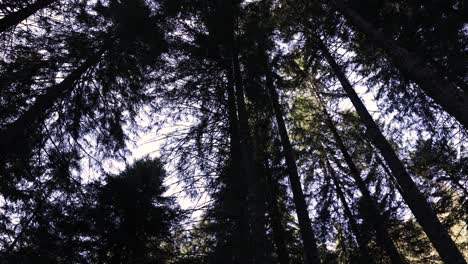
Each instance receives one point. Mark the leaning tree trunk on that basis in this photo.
(383, 237)
(16, 17)
(447, 95)
(238, 178)
(305, 225)
(363, 248)
(421, 209)
(17, 133)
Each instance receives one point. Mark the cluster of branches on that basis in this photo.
(274, 96)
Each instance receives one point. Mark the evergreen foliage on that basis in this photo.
(293, 131)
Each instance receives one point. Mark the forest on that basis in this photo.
(276, 131)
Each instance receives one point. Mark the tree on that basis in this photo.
(450, 98)
(308, 237)
(301, 131)
(126, 220)
(132, 221)
(415, 200)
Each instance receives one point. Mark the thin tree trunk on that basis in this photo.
(17, 132)
(383, 237)
(410, 192)
(446, 94)
(364, 250)
(238, 178)
(308, 237)
(16, 17)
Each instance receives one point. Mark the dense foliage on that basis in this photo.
(294, 131)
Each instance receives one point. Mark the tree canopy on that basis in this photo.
(287, 131)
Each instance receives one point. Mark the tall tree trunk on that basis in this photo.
(279, 234)
(255, 190)
(410, 192)
(305, 225)
(364, 250)
(446, 94)
(17, 132)
(16, 17)
(238, 178)
(255, 198)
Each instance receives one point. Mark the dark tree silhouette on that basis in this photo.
(291, 131)
(14, 18)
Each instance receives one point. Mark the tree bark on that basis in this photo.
(238, 178)
(16, 17)
(410, 192)
(308, 237)
(364, 250)
(446, 94)
(255, 191)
